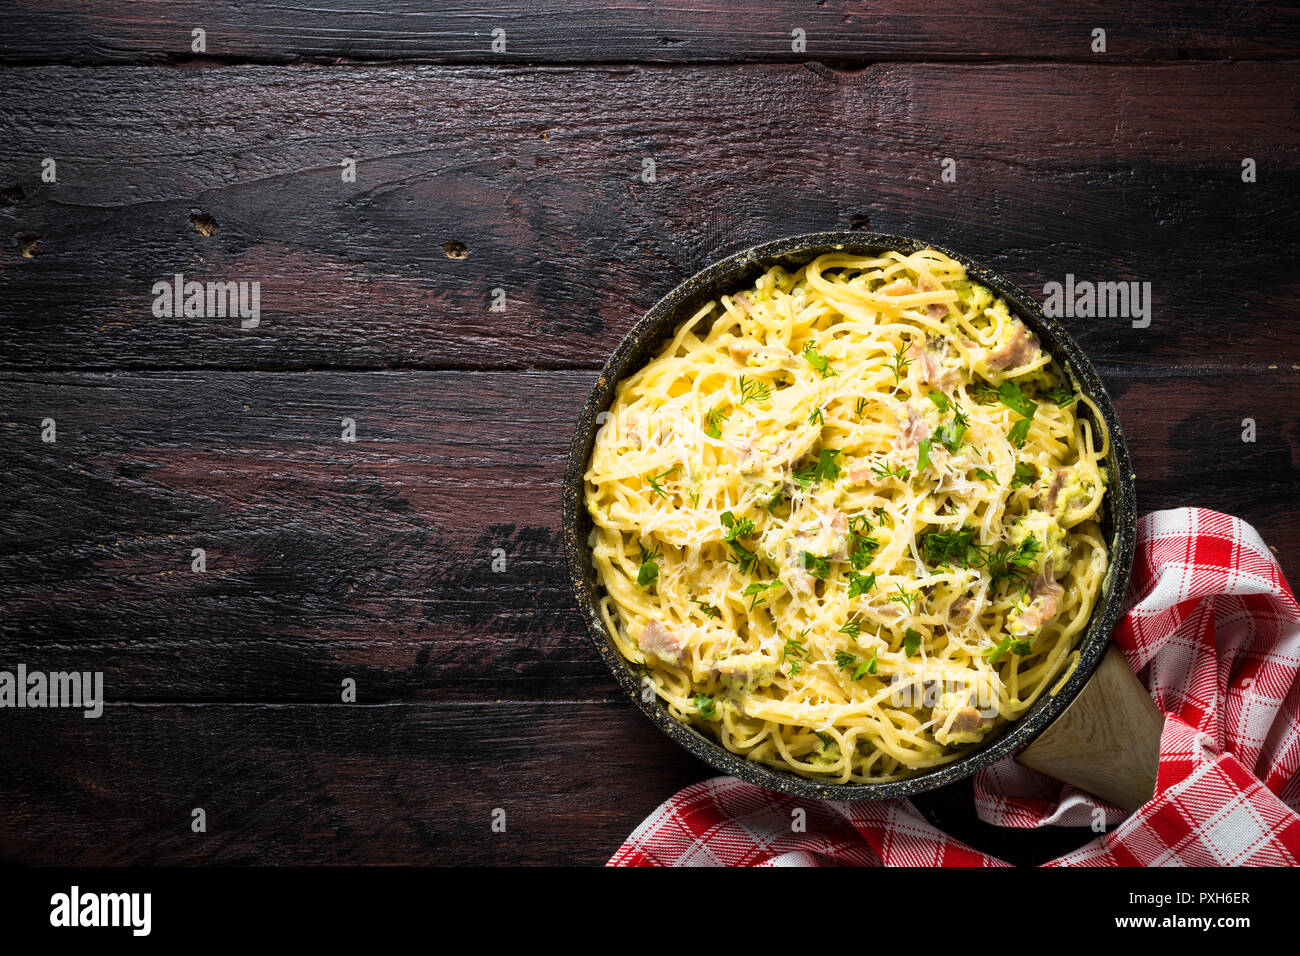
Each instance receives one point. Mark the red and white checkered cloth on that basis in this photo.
(1214, 630)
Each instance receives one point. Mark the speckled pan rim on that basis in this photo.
(731, 274)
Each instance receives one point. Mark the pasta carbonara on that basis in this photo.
(845, 520)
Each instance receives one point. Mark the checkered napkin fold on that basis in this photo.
(1213, 629)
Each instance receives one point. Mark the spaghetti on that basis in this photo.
(845, 520)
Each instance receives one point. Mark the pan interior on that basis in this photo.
(1118, 520)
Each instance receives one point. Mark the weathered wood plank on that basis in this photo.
(1117, 173)
(698, 31)
(372, 560)
(394, 784)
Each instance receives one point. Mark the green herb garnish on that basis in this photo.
(866, 667)
(1010, 395)
(653, 481)
(882, 471)
(860, 583)
(753, 391)
(710, 610)
(736, 528)
(922, 453)
(818, 361)
(899, 364)
(951, 547)
(713, 422)
(758, 592)
(744, 559)
(906, 598)
(648, 574)
(819, 568)
(824, 469)
(1026, 474)
(1015, 645)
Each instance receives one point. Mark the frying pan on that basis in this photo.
(1100, 731)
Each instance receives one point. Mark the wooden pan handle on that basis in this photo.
(1107, 741)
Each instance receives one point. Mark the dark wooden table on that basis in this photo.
(522, 170)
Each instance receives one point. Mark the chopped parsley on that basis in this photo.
(922, 453)
(736, 528)
(819, 568)
(986, 475)
(866, 667)
(861, 547)
(1007, 563)
(1026, 474)
(860, 583)
(1003, 561)
(1062, 397)
(648, 574)
(818, 361)
(1010, 395)
(1017, 646)
(882, 471)
(951, 547)
(757, 592)
(744, 559)
(939, 398)
(911, 642)
(824, 469)
(775, 500)
(951, 434)
(706, 706)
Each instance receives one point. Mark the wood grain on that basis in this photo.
(568, 31)
(1107, 742)
(408, 784)
(1127, 173)
(373, 560)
